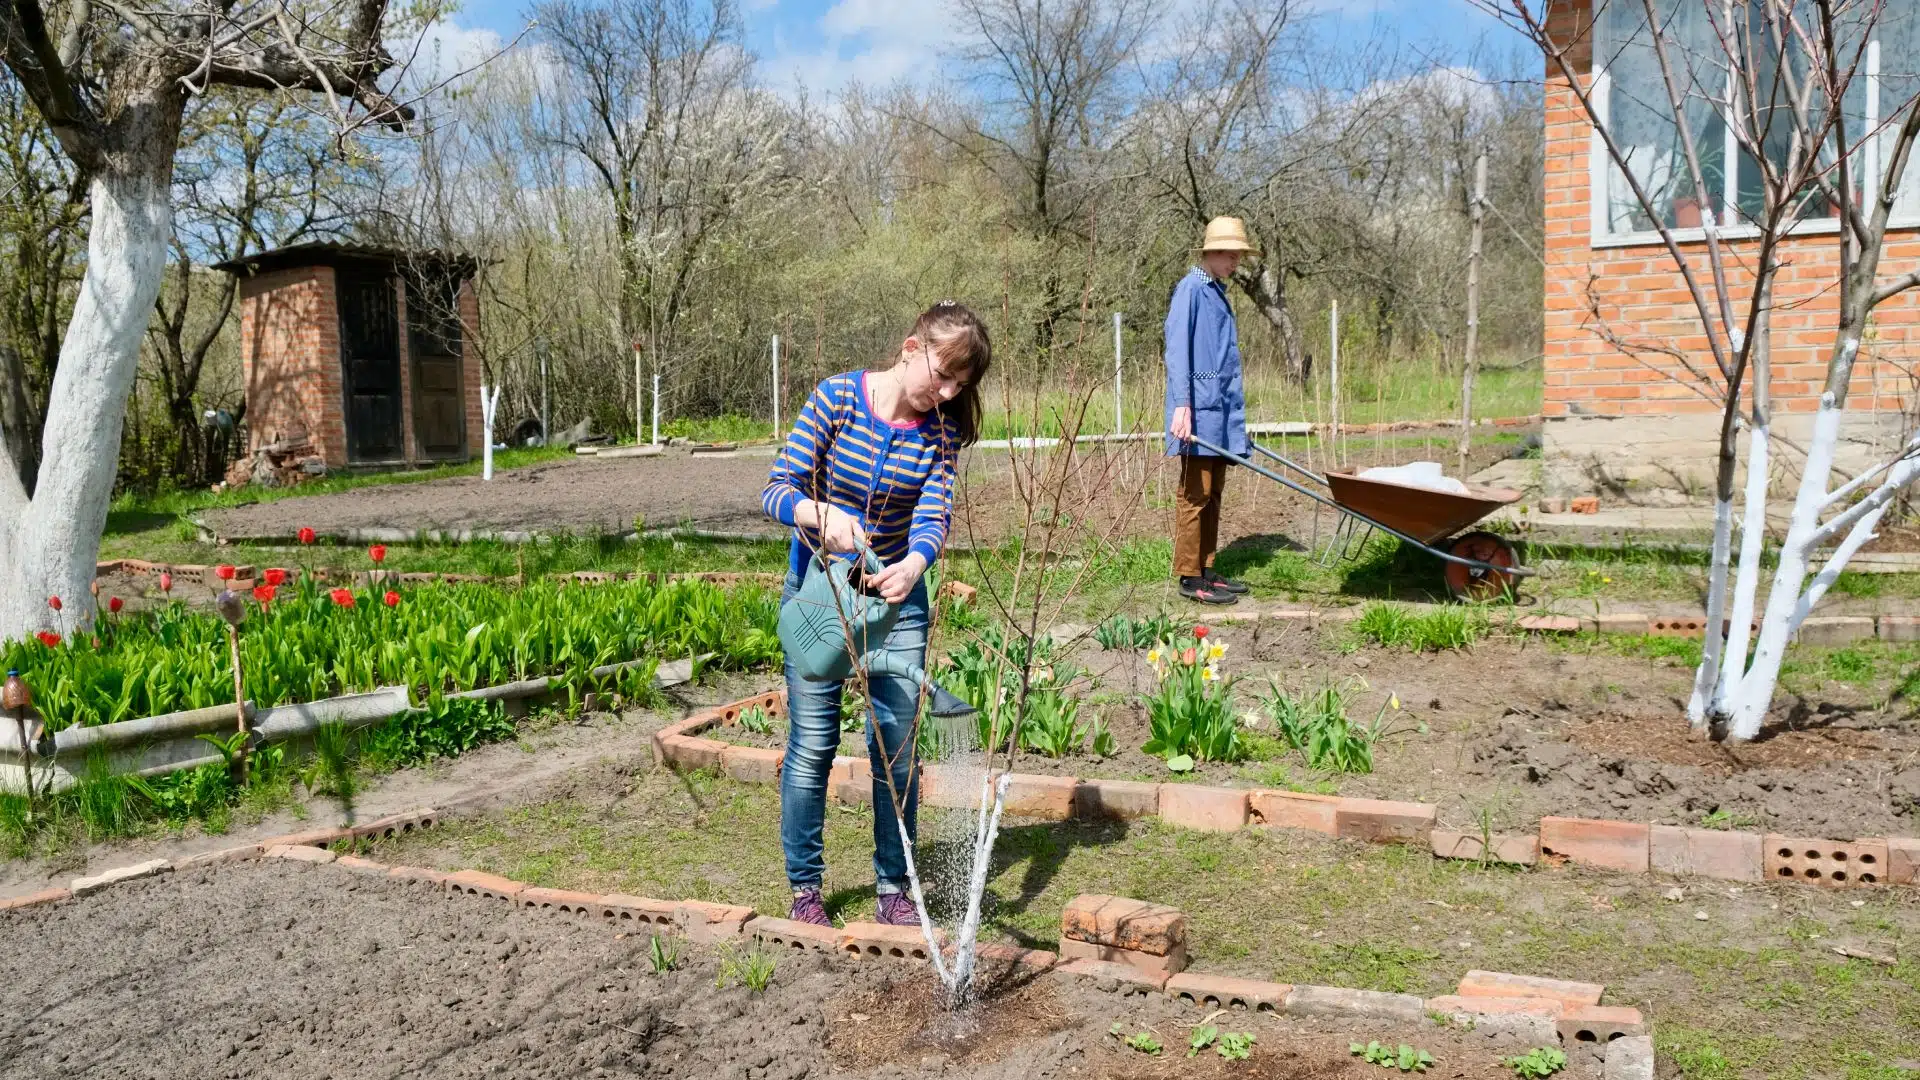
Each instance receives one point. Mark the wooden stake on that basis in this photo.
(239, 706)
(1471, 364)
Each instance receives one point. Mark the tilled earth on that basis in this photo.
(286, 970)
(1515, 728)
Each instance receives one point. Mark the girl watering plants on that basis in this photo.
(870, 464)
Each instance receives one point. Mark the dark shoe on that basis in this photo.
(896, 909)
(1206, 592)
(1225, 584)
(808, 907)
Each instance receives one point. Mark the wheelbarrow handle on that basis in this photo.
(1448, 556)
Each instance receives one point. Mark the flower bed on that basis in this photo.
(306, 643)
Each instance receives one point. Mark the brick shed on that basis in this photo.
(1626, 420)
(367, 351)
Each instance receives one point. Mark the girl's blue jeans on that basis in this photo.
(813, 737)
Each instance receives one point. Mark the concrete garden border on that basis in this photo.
(1624, 846)
(1141, 948)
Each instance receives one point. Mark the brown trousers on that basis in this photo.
(1196, 514)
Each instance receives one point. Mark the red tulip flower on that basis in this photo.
(378, 553)
(392, 599)
(48, 638)
(307, 536)
(1201, 632)
(223, 572)
(264, 594)
(342, 597)
(114, 604)
(166, 581)
(53, 602)
(276, 576)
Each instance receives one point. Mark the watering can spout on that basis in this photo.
(940, 701)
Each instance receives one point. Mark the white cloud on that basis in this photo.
(443, 51)
(870, 41)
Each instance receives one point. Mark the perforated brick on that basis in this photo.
(1826, 862)
(478, 883)
(562, 901)
(636, 911)
(1600, 1024)
(789, 934)
(1220, 992)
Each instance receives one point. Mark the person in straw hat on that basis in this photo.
(1205, 399)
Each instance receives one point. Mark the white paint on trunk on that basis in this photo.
(1706, 675)
(1753, 536)
(48, 545)
(1747, 704)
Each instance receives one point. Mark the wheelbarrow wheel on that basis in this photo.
(1473, 582)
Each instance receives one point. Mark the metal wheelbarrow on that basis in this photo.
(1476, 565)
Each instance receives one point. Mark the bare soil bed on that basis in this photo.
(293, 971)
(1518, 728)
(1128, 483)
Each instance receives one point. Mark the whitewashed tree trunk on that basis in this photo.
(48, 544)
(1753, 529)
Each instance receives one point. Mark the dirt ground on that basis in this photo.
(292, 971)
(1122, 483)
(1519, 728)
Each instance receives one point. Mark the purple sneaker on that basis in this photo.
(808, 908)
(896, 909)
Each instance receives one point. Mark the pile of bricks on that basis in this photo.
(1129, 941)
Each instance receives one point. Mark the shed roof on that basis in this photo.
(331, 253)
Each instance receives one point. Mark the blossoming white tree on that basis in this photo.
(112, 81)
(1819, 120)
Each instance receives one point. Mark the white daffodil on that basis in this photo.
(1155, 656)
(1250, 718)
(1210, 673)
(1216, 650)
(1393, 701)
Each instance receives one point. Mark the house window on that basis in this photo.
(1632, 97)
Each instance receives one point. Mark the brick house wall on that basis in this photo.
(470, 369)
(289, 318)
(1635, 426)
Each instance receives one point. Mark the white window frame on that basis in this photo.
(1601, 168)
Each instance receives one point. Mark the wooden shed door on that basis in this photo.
(370, 358)
(434, 340)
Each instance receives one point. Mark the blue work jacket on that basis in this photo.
(1203, 365)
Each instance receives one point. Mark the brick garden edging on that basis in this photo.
(1624, 846)
(1524, 1007)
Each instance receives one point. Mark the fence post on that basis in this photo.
(546, 417)
(1471, 366)
(1333, 376)
(776, 387)
(1119, 423)
(656, 405)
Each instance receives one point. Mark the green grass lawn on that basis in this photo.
(1753, 989)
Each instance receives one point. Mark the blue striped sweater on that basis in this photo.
(897, 479)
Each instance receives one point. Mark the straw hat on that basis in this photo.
(1227, 234)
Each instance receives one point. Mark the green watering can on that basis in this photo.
(834, 622)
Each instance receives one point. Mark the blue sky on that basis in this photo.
(822, 44)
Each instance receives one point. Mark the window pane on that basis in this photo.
(1640, 114)
(1898, 32)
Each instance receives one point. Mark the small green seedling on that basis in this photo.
(1405, 1058)
(753, 969)
(1203, 1037)
(1236, 1045)
(664, 954)
(1537, 1063)
(1145, 1042)
(756, 720)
